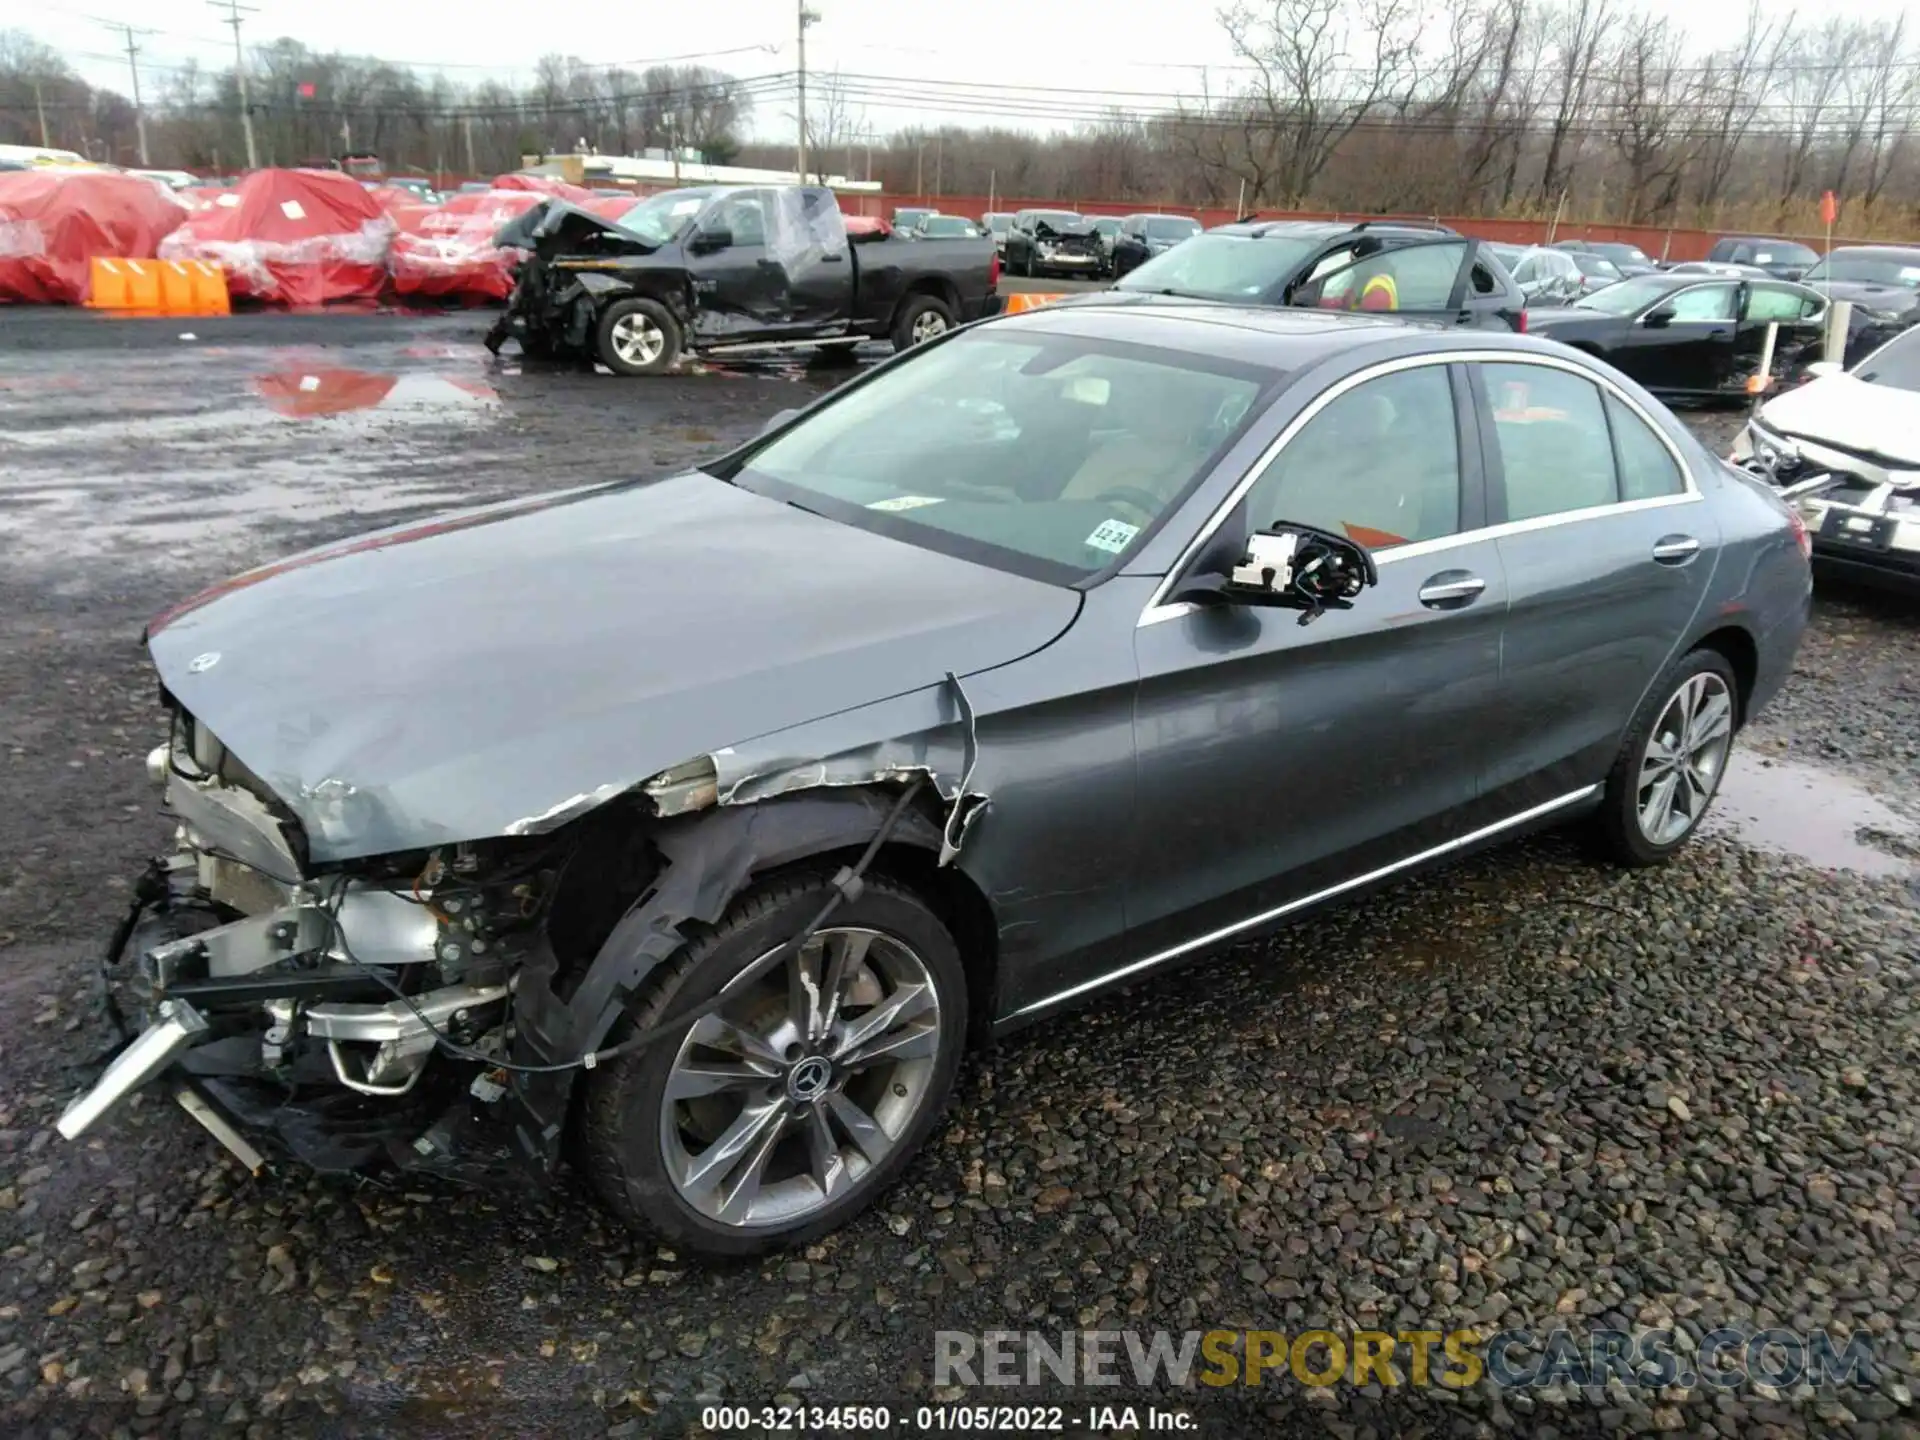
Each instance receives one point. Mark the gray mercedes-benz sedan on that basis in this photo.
(688, 830)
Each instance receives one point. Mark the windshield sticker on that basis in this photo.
(293, 210)
(1909, 274)
(686, 207)
(1113, 536)
(904, 502)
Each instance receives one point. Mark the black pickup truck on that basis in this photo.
(724, 268)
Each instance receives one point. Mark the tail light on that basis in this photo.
(1800, 535)
(993, 273)
(1520, 322)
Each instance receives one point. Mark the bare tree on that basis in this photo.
(1577, 31)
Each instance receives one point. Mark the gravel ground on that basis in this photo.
(1523, 1092)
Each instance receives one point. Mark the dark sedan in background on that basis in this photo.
(1695, 337)
(1142, 237)
(1059, 650)
(1630, 260)
(1781, 259)
(1882, 281)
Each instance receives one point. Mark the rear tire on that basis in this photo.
(921, 318)
(637, 337)
(1671, 762)
(874, 1114)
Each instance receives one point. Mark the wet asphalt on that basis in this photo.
(1525, 1091)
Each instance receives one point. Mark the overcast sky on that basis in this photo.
(1154, 52)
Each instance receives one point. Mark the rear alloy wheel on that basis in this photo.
(921, 318)
(1673, 761)
(637, 337)
(785, 1112)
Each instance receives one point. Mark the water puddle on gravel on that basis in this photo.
(1812, 814)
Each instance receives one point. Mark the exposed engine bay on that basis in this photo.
(429, 1010)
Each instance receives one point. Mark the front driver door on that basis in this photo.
(1692, 352)
(1278, 759)
(739, 288)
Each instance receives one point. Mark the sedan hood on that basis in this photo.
(497, 671)
(1564, 322)
(1839, 410)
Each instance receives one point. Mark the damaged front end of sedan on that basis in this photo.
(433, 1009)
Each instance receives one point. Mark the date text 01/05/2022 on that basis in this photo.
(937, 1419)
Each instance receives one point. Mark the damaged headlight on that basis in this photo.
(689, 786)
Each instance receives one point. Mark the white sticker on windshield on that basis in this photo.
(1909, 274)
(686, 207)
(904, 502)
(293, 210)
(1113, 536)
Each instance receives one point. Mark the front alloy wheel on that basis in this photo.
(780, 1103)
(786, 1111)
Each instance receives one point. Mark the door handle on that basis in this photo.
(831, 259)
(1451, 589)
(1675, 549)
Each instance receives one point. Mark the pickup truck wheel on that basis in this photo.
(791, 1108)
(637, 337)
(922, 317)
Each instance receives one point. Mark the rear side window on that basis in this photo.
(1412, 277)
(1380, 464)
(1764, 303)
(1555, 448)
(1647, 467)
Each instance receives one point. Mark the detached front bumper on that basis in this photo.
(1863, 519)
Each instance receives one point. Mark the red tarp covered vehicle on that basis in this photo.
(449, 250)
(291, 237)
(53, 222)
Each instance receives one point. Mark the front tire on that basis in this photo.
(1672, 762)
(921, 318)
(790, 1110)
(637, 337)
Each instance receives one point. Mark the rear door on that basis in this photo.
(1606, 547)
(1801, 316)
(1276, 759)
(1435, 280)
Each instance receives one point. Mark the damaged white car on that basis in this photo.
(1845, 449)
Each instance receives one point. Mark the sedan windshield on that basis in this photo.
(1171, 227)
(1598, 266)
(1629, 297)
(936, 227)
(1896, 363)
(660, 218)
(1867, 268)
(1048, 455)
(1222, 267)
(1621, 253)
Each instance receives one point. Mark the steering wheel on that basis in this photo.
(1143, 503)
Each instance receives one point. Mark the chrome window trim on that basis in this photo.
(1212, 937)
(1158, 608)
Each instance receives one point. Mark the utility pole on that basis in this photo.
(40, 106)
(234, 10)
(133, 67)
(807, 17)
(466, 129)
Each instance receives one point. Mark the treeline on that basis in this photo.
(1598, 109)
(307, 106)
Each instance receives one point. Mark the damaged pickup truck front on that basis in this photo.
(729, 269)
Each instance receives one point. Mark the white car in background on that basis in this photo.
(1844, 448)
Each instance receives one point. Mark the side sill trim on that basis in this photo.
(1224, 932)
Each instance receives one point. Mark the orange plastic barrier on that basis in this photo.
(158, 287)
(1017, 303)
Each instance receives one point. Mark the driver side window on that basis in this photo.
(1706, 302)
(1380, 464)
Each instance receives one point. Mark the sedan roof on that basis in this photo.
(1278, 337)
